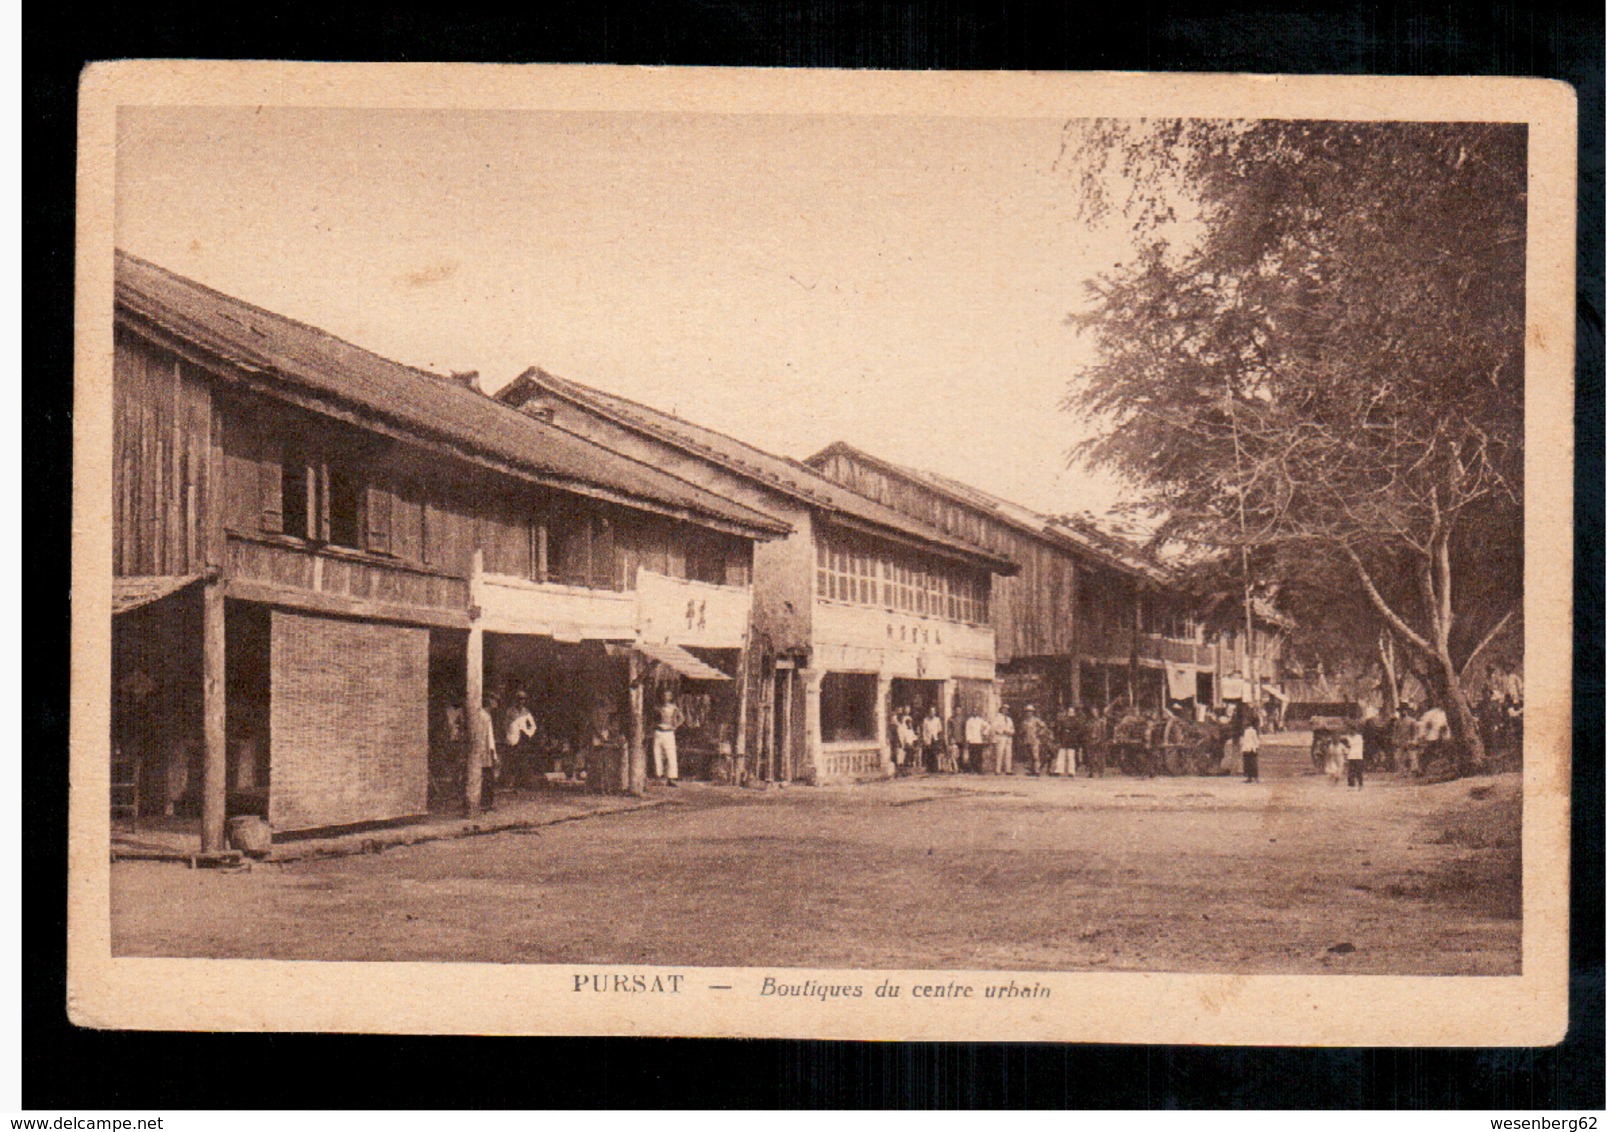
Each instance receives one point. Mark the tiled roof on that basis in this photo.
(782, 475)
(422, 403)
(1107, 548)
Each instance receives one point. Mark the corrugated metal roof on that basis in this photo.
(786, 476)
(1105, 547)
(421, 402)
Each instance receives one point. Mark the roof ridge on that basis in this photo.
(621, 404)
(344, 372)
(555, 426)
(1052, 525)
(274, 315)
(583, 388)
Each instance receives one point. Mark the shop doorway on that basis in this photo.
(156, 711)
(706, 741)
(449, 720)
(577, 696)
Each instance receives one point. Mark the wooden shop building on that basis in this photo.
(1088, 619)
(321, 556)
(861, 608)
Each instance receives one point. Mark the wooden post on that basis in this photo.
(739, 742)
(637, 764)
(473, 702)
(764, 757)
(214, 766)
(474, 691)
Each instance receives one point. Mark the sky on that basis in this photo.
(898, 283)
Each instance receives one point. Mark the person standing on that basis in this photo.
(1003, 730)
(905, 744)
(1334, 752)
(1068, 741)
(1250, 748)
(932, 740)
(976, 742)
(1235, 736)
(666, 718)
(953, 743)
(1171, 753)
(518, 734)
(1435, 734)
(1035, 736)
(1096, 736)
(1355, 759)
(487, 754)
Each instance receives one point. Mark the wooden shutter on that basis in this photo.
(318, 499)
(377, 517)
(271, 494)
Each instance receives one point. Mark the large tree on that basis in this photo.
(1317, 352)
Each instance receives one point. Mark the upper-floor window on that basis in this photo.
(324, 501)
(891, 580)
(705, 560)
(581, 550)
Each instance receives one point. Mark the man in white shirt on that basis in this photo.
(976, 741)
(517, 730)
(1003, 730)
(932, 739)
(1435, 730)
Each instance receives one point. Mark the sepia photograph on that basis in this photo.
(802, 564)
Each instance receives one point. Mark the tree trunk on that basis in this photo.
(1392, 680)
(1464, 728)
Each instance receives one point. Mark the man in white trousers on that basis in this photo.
(666, 719)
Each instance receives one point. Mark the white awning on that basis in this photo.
(674, 656)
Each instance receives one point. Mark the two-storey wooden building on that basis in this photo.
(1089, 619)
(860, 609)
(322, 558)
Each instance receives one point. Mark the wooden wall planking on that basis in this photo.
(193, 460)
(162, 438)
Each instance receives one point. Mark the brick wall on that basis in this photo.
(350, 722)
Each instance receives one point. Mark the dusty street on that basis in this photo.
(1167, 874)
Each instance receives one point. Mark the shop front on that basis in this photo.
(868, 663)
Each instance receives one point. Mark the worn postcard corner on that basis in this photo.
(822, 554)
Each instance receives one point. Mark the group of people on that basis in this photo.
(1071, 742)
(1410, 740)
(512, 748)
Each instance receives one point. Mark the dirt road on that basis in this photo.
(1168, 874)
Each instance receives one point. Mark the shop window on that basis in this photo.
(847, 706)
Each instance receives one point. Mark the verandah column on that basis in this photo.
(812, 771)
(474, 692)
(214, 766)
(636, 769)
(884, 689)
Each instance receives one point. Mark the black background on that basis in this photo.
(72, 1069)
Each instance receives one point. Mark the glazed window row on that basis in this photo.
(885, 579)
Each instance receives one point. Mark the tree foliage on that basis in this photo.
(1317, 352)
